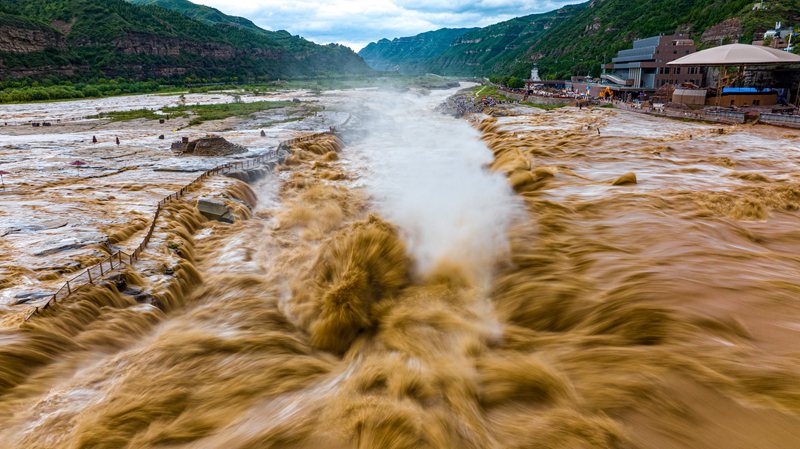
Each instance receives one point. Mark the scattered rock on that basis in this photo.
(145, 298)
(62, 248)
(250, 175)
(22, 298)
(49, 224)
(626, 179)
(215, 210)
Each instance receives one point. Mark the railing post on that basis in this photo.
(89, 272)
(69, 290)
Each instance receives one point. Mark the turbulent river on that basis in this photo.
(431, 282)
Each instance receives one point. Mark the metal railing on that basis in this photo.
(780, 120)
(725, 116)
(708, 116)
(120, 259)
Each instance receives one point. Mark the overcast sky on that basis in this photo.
(358, 22)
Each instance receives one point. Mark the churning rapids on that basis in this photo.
(431, 282)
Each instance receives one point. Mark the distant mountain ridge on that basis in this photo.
(405, 53)
(115, 38)
(576, 39)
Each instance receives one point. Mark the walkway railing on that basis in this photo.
(120, 259)
(708, 116)
(780, 120)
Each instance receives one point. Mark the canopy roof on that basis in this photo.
(738, 54)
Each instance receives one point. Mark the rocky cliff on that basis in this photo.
(102, 38)
(27, 40)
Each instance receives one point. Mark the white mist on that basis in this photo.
(426, 172)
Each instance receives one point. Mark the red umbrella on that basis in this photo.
(3, 183)
(78, 164)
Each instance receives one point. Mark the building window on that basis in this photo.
(677, 70)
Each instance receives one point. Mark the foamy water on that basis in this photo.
(427, 174)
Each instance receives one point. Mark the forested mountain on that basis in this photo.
(206, 14)
(577, 39)
(404, 53)
(115, 38)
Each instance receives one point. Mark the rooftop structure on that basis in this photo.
(644, 67)
(777, 38)
(535, 74)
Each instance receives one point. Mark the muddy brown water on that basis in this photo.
(661, 314)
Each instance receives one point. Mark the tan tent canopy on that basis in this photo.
(738, 54)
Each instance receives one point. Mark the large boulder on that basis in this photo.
(208, 146)
(214, 209)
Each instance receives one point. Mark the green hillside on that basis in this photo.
(407, 53)
(202, 13)
(488, 50)
(602, 27)
(577, 39)
(114, 38)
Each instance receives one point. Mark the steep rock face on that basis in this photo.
(152, 45)
(15, 39)
(730, 30)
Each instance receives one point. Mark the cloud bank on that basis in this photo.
(355, 23)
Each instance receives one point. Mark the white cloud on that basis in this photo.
(358, 22)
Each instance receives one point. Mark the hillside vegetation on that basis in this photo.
(577, 39)
(206, 14)
(82, 39)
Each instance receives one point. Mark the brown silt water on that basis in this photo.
(512, 280)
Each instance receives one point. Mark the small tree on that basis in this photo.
(515, 83)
